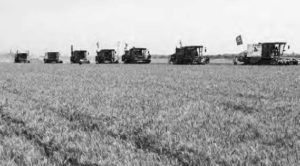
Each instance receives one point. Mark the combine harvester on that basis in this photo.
(192, 55)
(136, 56)
(79, 56)
(52, 57)
(106, 56)
(265, 54)
(22, 57)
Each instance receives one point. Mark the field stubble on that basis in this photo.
(149, 115)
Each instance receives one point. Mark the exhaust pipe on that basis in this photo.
(72, 49)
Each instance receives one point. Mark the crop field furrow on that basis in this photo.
(47, 149)
(137, 136)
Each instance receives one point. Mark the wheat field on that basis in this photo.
(153, 114)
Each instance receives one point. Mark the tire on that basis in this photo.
(274, 63)
(207, 61)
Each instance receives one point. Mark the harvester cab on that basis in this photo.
(265, 54)
(52, 57)
(189, 55)
(106, 56)
(79, 56)
(137, 55)
(21, 58)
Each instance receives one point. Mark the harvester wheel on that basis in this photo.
(170, 61)
(273, 62)
(235, 61)
(208, 61)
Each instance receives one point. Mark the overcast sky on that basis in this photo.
(53, 25)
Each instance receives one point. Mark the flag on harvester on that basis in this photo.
(98, 45)
(180, 43)
(239, 40)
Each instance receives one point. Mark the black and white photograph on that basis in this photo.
(149, 83)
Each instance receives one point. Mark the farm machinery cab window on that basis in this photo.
(200, 51)
(273, 49)
(22, 55)
(82, 54)
(140, 52)
(52, 55)
(194, 51)
(109, 53)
